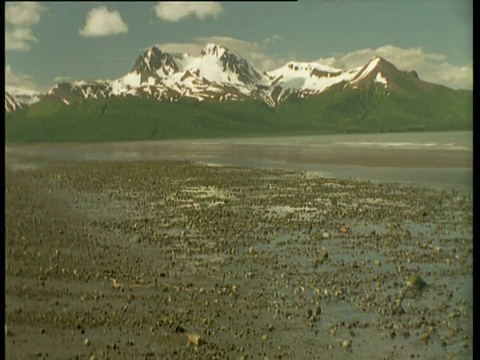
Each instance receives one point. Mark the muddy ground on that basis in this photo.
(127, 259)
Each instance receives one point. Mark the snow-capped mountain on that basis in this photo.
(17, 98)
(219, 74)
(306, 79)
(219, 93)
(380, 71)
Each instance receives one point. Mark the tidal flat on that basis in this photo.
(180, 260)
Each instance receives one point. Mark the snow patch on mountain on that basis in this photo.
(17, 98)
(214, 50)
(307, 78)
(367, 69)
(17, 91)
(381, 79)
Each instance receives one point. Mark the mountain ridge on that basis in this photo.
(217, 74)
(219, 93)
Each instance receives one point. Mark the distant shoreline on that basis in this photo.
(411, 150)
(444, 160)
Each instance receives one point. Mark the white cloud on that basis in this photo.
(19, 39)
(255, 52)
(175, 11)
(431, 67)
(19, 80)
(274, 39)
(453, 76)
(23, 14)
(101, 22)
(402, 58)
(60, 79)
(19, 18)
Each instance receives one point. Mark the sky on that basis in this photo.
(51, 42)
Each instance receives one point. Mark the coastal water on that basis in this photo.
(437, 159)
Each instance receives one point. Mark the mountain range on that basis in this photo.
(219, 93)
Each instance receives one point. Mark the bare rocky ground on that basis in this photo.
(176, 260)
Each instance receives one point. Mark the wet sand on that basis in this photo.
(128, 259)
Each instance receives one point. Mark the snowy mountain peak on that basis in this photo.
(214, 50)
(154, 60)
(218, 64)
(219, 74)
(379, 71)
(367, 69)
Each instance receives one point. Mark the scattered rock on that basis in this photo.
(415, 281)
(195, 339)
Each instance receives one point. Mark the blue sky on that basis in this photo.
(50, 42)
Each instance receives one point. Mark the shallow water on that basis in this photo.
(442, 160)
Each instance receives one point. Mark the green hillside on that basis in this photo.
(413, 106)
(133, 118)
(374, 110)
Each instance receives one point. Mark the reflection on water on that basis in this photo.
(440, 159)
(406, 145)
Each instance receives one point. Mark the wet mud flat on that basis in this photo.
(178, 260)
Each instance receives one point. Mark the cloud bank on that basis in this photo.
(175, 11)
(101, 22)
(19, 80)
(19, 19)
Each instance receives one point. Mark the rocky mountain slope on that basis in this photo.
(219, 93)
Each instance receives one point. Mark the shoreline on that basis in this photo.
(438, 168)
